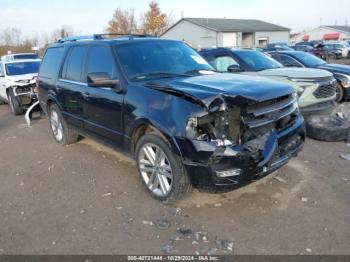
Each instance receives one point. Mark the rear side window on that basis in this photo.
(100, 60)
(51, 62)
(74, 64)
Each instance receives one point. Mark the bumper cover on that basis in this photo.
(204, 161)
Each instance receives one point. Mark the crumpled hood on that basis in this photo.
(22, 79)
(336, 68)
(206, 88)
(295, 72)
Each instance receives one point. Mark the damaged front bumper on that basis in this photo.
(211, 165)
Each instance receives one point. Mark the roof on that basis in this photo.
(233, 25)
(344, 28)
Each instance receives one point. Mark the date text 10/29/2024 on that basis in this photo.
(174, 258)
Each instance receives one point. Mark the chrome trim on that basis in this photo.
(72, 82)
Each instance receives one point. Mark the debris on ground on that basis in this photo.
(224, 245)
(345, 156)
(304, 199)
(280, 179)
(185, 232)
(309, 250)
(145, 222)
(169, 247)
(107, 195)
(163, 224)
(127, 219)
(218, 205)
(83, 211)
(331, 128)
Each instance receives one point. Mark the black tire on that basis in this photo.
(68, 135)
(14, 104)
(327, 128)
(180, 182)
(340, 93)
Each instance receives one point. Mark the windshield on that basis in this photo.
(257, 61)
(22, 68)
(308, 59)
(159, 59)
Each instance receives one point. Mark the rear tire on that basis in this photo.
(15, 106)
(62, 132)
(166, 167)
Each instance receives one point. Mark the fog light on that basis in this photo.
(229, 173)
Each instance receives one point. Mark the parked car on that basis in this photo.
(304, 48)
(316, 88)
(276, 48)
(17, 83)
(301, 59)
(160, 101)
(326, 52)
(19, 56)
(344, 50)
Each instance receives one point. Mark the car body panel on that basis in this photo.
(170, 105)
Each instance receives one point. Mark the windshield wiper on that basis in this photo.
(159, 75)
(198, 71)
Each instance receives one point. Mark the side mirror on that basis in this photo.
(102, 79)
(234, 69)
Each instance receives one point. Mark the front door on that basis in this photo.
(102, 106)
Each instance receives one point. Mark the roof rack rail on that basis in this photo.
(98, 37)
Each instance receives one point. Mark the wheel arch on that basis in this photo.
(147, 127)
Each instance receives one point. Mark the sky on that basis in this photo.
(33, 17)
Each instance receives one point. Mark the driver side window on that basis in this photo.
(222, 63)
(288, 61)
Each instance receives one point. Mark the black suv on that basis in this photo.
(162, 103)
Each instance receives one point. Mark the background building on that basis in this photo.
(325, 32)
(207, 32)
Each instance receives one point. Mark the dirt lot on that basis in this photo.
(87, 199)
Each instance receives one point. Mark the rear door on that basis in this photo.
(102, 106)
(70, 86)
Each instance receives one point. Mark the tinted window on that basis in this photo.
(308, 59)
(74, 64)
(51, 62)
(25, 56)
(223, 62)
(142, 59)
(100, 60)
(257, 61)
(22, 68)
(286, 60)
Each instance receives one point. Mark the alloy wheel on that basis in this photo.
(155, 169)
(56, 125)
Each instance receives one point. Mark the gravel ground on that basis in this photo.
(88, 199)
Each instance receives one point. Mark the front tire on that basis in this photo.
(61, 131)
(15, 106)
(160, 169)
(339, 92)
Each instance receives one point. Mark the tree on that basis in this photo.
(61, 32)
(11, 37)
(123, 22)
(155, 22)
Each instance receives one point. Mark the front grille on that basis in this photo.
(325, 89)
(276, 111)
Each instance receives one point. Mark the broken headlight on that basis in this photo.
(223, 127)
